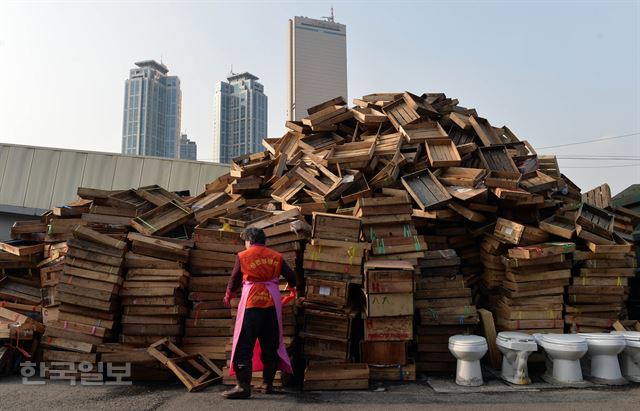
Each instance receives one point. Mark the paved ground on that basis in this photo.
(15, 396)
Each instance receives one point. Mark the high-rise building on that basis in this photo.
(317, 63)
(152, 111)
(188, 148)
(240, 117)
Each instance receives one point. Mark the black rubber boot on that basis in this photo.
(242, 390)
(268, 374)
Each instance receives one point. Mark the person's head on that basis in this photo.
(253, 236)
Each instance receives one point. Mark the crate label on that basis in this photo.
(324, 290)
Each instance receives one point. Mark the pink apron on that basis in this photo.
(284, 364)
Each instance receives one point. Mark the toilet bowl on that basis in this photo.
(563, 353)
(468, 350)
(515, 348)
(630, 357)
(601, 362)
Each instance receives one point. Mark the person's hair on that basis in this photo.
(254, 235)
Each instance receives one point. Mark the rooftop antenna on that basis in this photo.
(330, 18)
(160, 58)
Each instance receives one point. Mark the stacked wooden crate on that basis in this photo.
(445, 308)
(332, 262)
(599, 288)
(531, 299)
(388, 291)
(19, 275)
(334, 252)
(492, 251)
(153, 294)
(87, 292)
(210, 325)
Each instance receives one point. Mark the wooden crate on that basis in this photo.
(318, 142)
(599, 197)
(484, 130)
(336, 227)
(558, 225)
(324, 349)
(352, 155)
(388, 328)
(129, 199)
(595, 220)
(334, 325)
(384, 352)
(336, 377)
(369, 116)
(461, 176)
(422, 131)
(388, 276)
(503, 179)
(392, 373)
(21, 248)
(157, 195)
(388, 304)
(358, 189)
(246, 217)
(162, 219)
(541, 250)
(508, 231)
(537, 182)
(426, 190)
(497, 159)
(442, 153)
(321, 291)
(400, 112)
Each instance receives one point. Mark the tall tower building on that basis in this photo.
(240, 117)
(188, 148)
(152, 111)
(317, 63)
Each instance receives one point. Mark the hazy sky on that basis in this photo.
(554, 72)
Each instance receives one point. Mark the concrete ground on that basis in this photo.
(415, 396)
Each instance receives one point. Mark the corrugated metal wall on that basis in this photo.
(38, 178)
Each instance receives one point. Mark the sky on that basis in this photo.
(554, 72)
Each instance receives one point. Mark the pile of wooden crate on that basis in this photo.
(88, 312)
(153, 293)
(209, 325)
(400, 181)
(388, 303)
(536, 278)
(445, 307)
(333, 270)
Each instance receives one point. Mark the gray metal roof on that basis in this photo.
(36, 179)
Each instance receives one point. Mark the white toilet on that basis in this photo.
(468, 350)
(601, 362)
(563, 352)
(516, 348)
(630, 358)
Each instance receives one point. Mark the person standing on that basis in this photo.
(258, 269)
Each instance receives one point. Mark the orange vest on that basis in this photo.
(260, 264)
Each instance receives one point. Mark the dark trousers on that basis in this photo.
(260, 323)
